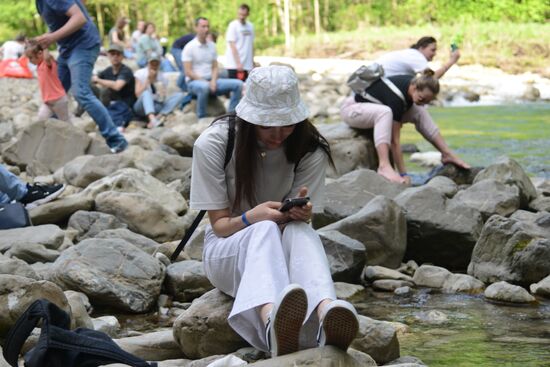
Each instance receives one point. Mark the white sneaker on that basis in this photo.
(285, 321)
(339, 325)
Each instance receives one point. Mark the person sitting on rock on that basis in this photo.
(151, 85)
(12, 188)
(115, 87)
(272, 262)
(384, 112)
(199, 58)
(54, 98)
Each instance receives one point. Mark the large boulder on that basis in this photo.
(131, 180)
(440, 231)
(508, 171)
(186, 280)
(52, 144)
(346, 256)
(490, 197)
(378, 339)
(515, 249)
(112, 273)
(351, 192)
(58, 211)
(14, 266)
(431, 276)
(505, 292)
(381, 227)
(327, 356)
(163, 166)
(202, 330)
(83, 171)
(141, 242)
(18, 293)
(541, 288)
(142, 215)
(89, 224)
(48, 236)
(155, 346)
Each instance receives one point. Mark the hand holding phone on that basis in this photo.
(291, 203)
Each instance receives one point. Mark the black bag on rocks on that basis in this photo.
(60, 347)
(13, 215)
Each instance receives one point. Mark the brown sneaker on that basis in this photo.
(339, 325)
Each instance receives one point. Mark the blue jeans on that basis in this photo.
(11, 187)
(176, 52)
(146, 104)
(181, 82)
(75, 73)
(201, 89)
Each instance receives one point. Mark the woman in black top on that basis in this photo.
(383, 107)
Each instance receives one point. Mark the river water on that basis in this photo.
(480, 134)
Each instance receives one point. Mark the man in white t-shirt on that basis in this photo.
(13, 49)
(415, 59)
(151, 85)
(200, 63)
(239, 55)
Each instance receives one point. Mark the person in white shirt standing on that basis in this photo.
(200, 63)
(239, 55)
(13, 49)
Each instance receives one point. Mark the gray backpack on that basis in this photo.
(365, 76)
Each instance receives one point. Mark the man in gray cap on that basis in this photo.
(151, 87)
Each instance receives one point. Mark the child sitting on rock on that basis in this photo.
(53, 95)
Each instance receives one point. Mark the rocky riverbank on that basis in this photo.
(103, 246)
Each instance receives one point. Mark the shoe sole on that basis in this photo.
(340, 326)
(44, 200)
(288, 322)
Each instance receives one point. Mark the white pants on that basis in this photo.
(59, 107)
(365, 115)
(256, 263)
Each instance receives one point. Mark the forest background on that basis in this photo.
(513, 35)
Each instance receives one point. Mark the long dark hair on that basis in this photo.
(304, 139)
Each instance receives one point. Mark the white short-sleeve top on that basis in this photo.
(213, 187)
(403, 62)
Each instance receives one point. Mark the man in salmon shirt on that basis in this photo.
(78, 40)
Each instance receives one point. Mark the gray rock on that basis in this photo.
(145, 244)
(351, 192)
(372, 273)
(506, 292)
(490, 197)
(348, 291)
(32, 254)
(362, 358)
(410, 360)
(431, 276)
(390, 285)
(163, 166)
(59, 211)
(131, 180)
(440, 231)
(155, 346)
(541, 203)
(89, 224)
(52, 144)
(380, 226)
(88, 170)
(46, 236)
(327, 356)
(112, 273)
(541, 288)
(183, 143)
(18, 293)
(196, 243)
(106, 324)
(142, 215)
(98, 146)
(409, 268)
(444, 185)
(456, 283)
(202, 330)
(72, 168)
(185, 280)
(458, 175)
(16, 267)
(515, 249)
(433, 317)
(346, 256)
(378, 339)
(508, 171)
(402, 291)
(78, 303)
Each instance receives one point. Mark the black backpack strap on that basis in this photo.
(228, 154)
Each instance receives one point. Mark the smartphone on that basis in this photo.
(291, 203)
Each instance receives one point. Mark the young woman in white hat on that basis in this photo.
(272, 262)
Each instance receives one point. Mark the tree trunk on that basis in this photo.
(317, 16)
(288, 41)
(100, 20)
(326, 12)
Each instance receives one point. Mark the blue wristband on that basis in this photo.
(245, 221)
(403, 174)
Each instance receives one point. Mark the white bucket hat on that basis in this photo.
(272, 98)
